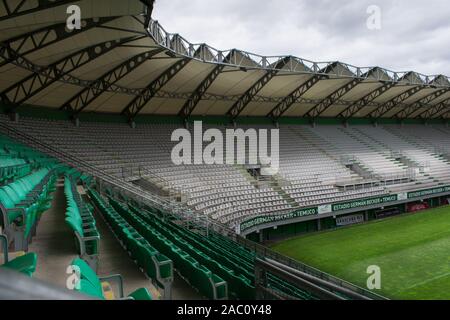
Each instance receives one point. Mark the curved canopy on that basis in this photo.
(122, 61)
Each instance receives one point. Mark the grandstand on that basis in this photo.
(86, 123)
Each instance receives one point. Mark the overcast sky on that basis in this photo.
(414, 34)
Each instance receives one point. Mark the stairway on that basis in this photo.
(377, 146)
(275, 182)
(286, 196)
(151, 187)
(419, 143)
(418, 146)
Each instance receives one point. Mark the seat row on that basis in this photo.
(97, 287)
(226, 252)
(81, 221)
(239, 280)
(155, 265)
(196, 274)
(12, 169)
(22, 202)
(25, 263)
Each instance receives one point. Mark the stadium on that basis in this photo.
(349, 201)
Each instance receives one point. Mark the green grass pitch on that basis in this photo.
(413, 252)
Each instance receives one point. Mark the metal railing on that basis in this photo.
(244, 59)
(267, 253)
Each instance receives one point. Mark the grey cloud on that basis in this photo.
(415, 34)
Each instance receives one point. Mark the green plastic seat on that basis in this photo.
(89, 289)
(81, 221)
(25, 264)
(140, 294)
(91, 284)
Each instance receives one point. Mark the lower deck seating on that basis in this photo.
(239, 284)
(23, 201)
(80, 219)
(199, 276)
(12, 169)
(92, 285)
(232, 262)
(225, 251)
(28, 179)
(154, 264)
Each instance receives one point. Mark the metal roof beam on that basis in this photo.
(138, 103)
(43, 77)
(15, 8)
(445, 114)
(288, 101)
(388, 106)
(434, 110)
(248, 96)
(30, 42)
(332, 98)
(198, 93)
(81, 100)
(412, 108)
(358, 105)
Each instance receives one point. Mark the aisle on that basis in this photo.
(54, 243)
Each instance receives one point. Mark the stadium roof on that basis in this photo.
(122, 61)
